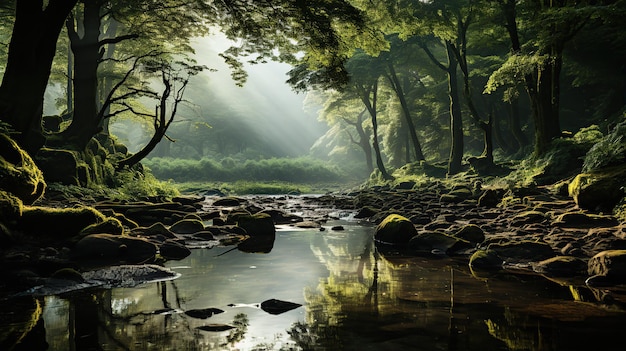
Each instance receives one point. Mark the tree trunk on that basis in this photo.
(397, 87)
(31, 51)
(515, 125)
(456, 119)
(371, 107)
(363, 141)
(85, 123)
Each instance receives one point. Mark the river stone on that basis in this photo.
(58, 222)
(609, 263)
(259, 224)
(601, 189)
(529, 251)
(229, 201)
(561, 266)
(485, 259)
(471, 233)
(110, 225)
(432, 242)
(395, 229)
(584, 220)
(173, 250)
(19, 174)
(157, 228)
(114, 248)
(187, 226)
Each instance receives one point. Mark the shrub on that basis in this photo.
(608, 151)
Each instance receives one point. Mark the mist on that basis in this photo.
(264, 116)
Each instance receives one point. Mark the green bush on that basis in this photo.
(608, 151)
(296, 170)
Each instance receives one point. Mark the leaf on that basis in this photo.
(274, 306)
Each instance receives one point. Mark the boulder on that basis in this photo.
(187, 226)
(58, 222)
(10, 207)
(259, 224)
(114, 249)
(19, 175)
(600, 189)
(471, 233)
(59, 165)
(173, 250)
(610, 264)
(229, 201)
(561, 266)
(524, 251)
(436, 242)
(485, 260)
(584, 220)
(395, 229)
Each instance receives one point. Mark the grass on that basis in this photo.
(260, 188)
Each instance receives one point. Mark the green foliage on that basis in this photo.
(608, 151)
(564, 158)
(297, 170)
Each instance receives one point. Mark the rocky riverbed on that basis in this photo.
(530, 231)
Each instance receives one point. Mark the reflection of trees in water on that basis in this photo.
(138, 321)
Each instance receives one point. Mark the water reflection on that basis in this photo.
(352, 296)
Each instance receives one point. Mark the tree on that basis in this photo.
(175, 79)
(31, 51)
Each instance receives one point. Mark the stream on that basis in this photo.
(343, 295)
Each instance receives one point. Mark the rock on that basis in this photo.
(491, 197)
(610, 264)
(157, 228)
(58, 222)
(110, 225)
(525, 251)
(395, 229)
(188, 199)
(273, 306)
(280, 217)
(187, 226)
(366, 212)
(173, 250)
(19, 174)
(259, 224)
(129, 275)
(308, 224)
(229, 201)
(584, 220)
(216, 327)
(485, 259)
(561, 266)
(599, 190)
(10, 207)
(114, 249)
(60, 166)
(434, 242)
(471, 233)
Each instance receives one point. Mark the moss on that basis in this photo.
(110, 225)
(395, 229)
(10, 207)
(58, 222)
(259, 224)
(600, 189)
(19, 173)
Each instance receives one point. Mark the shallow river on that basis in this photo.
(351, 297)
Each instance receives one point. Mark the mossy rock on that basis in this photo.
(471, 233)
(486, 260)
(58, 165)
(187, 226)
(10, 207)
(395, 229)
(610, 263)
(110, 225)
(584, 220)
(114, 249)
(173, 250)
(524, 251)
(58, 222)
(600, 189)
(19, 175)
(258, 224)
(229, 201)
(561, 266)
(435, 242)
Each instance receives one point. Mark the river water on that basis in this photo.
(350, 297)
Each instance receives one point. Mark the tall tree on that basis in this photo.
(31, 52)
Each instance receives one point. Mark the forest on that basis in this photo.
(442, 83)
(488, 135)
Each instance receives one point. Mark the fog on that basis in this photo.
(265, 110)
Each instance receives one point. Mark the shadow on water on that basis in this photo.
(312, 290)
